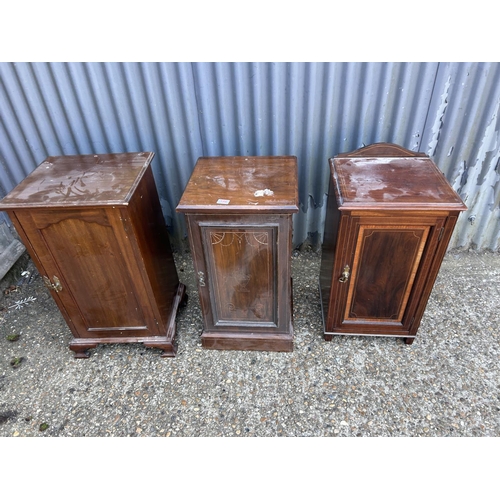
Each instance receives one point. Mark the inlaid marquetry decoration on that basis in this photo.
(390, 215)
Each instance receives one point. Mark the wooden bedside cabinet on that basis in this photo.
(94, 228)
(239, 218)
(389, 219)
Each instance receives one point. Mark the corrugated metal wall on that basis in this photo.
(312, 110)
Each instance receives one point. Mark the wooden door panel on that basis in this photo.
(243, 270)
(96, 282)
(386, 261)
(243, 284)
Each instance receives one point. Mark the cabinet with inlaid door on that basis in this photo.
(239, 217)
(390, 216)
(94, 228)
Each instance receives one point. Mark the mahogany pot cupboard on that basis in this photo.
(239, 218)
(94, 228)
(390, 215)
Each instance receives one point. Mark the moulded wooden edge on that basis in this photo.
(401, 206)
(237, 209)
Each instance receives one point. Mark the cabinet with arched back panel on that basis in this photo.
(390, 215)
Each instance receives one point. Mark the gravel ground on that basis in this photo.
(446, 384)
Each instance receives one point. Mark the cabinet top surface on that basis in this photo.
(250, 184)
(80, 180)
(396, 182)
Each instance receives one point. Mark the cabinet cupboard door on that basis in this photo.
(385, 272)
(81, 249)
(241, 274)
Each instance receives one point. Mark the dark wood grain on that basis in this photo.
(393, 217)
(143, 218)
(384, 271)
(107, 247)
(77, 248)
(242, 268)
(238, 341)
(330, 237)
(242, 251)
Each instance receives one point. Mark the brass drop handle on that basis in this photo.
(56, 286)
(345, 274)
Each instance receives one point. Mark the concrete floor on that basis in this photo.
(446, 384)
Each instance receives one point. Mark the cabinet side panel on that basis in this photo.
(435, 264)
(200, 269)
(328, 248)
(154, 244)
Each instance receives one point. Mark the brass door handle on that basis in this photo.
(345, 274)
(56, 286)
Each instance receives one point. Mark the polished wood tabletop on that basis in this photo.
(403, 183)
(80, 180)
(248, 184)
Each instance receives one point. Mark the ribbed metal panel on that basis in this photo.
(311, 110)
(463, 137)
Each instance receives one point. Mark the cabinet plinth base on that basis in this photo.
(237, 341)
(80, 346)
(329, 336)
